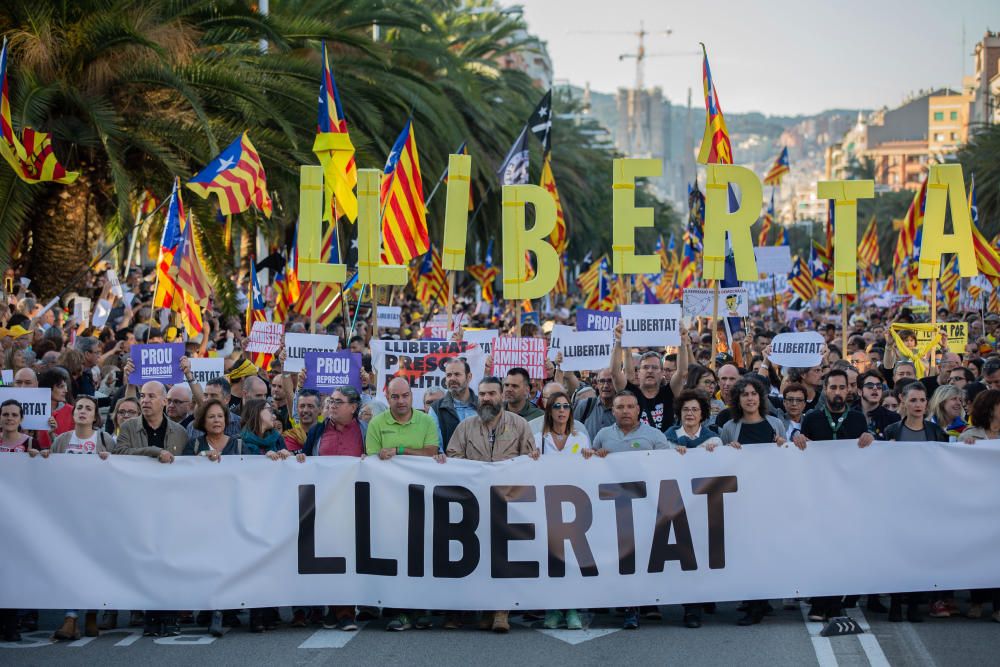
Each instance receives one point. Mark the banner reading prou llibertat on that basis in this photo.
(562, 532)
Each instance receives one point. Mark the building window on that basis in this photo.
(938, 136)
(954, 115)
(954, 136)
(938, 115)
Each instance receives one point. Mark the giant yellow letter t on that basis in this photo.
(719, 220)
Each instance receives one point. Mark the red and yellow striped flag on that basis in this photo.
(404, 221)
(868, 248)
(715, 145)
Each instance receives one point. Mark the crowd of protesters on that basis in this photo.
(678, 398)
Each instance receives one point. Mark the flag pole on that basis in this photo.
(715, 322)
(843, 324)
(774, 297)
(934, 284)
(451, 297)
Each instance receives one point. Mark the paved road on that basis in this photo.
(784, 638)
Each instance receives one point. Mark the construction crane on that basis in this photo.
(640, 54)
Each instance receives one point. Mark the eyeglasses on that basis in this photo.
(604, 380)
(128, 413)
(872, 385)
(176, 401)
(793, 401)
(336, 402)
(561, 406)
(691, 408)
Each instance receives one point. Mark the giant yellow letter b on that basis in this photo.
(517, 241)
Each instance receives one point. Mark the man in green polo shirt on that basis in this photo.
(401, 429)
(398, 431)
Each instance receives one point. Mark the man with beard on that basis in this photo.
(459, 404)
(494, 434)
(832, 421)
(872, 389)
(595, 412)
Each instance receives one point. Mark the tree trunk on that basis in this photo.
(64, 238)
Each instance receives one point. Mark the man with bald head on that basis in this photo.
(151, 433)
(26, 378)
(180, 404)
(254, 388)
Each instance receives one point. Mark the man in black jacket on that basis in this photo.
(458, 404)
(832, 421)
(872, 388)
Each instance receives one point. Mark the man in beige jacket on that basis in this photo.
(494, 434)
(152, 434)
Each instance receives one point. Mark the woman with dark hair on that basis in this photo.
(706, 381)
(212, 419)
(750, 423)
(11, 437)
(691, 412)
(61, 421)
(260, 430)
(984, 420)
(260, 435)
(559, 434)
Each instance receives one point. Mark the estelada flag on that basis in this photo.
(334, 149)
(237, 176)
(715, 145)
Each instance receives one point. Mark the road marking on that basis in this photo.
(821, 645)
(331, 638)
(869, 642)
(193, 637)
(918, 650)
(571, 637)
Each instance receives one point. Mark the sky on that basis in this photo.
(776, 56)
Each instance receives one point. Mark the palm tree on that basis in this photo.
(979, 157)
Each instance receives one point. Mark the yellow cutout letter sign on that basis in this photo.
(945, 185)
(517, 240)
(627, 217)
(845, 196)
(456, 212)
(370, 268)
(312, 267)
(718, 221)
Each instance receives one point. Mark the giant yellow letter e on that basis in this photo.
(627, 217)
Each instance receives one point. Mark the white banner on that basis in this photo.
(634, 528)
(296, 346)
(733, 302)
(205, 368)
(422, 363)
(36, 405)
(586, 350)
(388, 317)
(773, 260)
(798, 350)
(481, 337)
(651, 326)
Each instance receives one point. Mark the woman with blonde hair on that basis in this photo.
(948, 410)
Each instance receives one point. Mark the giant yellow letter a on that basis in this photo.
(945, 184)
(517, 241)
(719, 220)
(627, 217)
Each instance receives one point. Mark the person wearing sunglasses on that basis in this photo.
(793, 400)
(596, 412)
(872, 389)
(559, 435)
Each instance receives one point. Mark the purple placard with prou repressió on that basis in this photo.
(325, 371)
(156, 362)
(596, 320)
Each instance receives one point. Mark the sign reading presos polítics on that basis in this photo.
(797, 350)
(265, 337)
(205, 368)
(586, 350)
(325, 371)
(388, 317)
(422, 363)
(160, 362)
(596, 320)
(36, 406)
(296, 346)
(513, 352)
(481, 337)
(651, 325)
